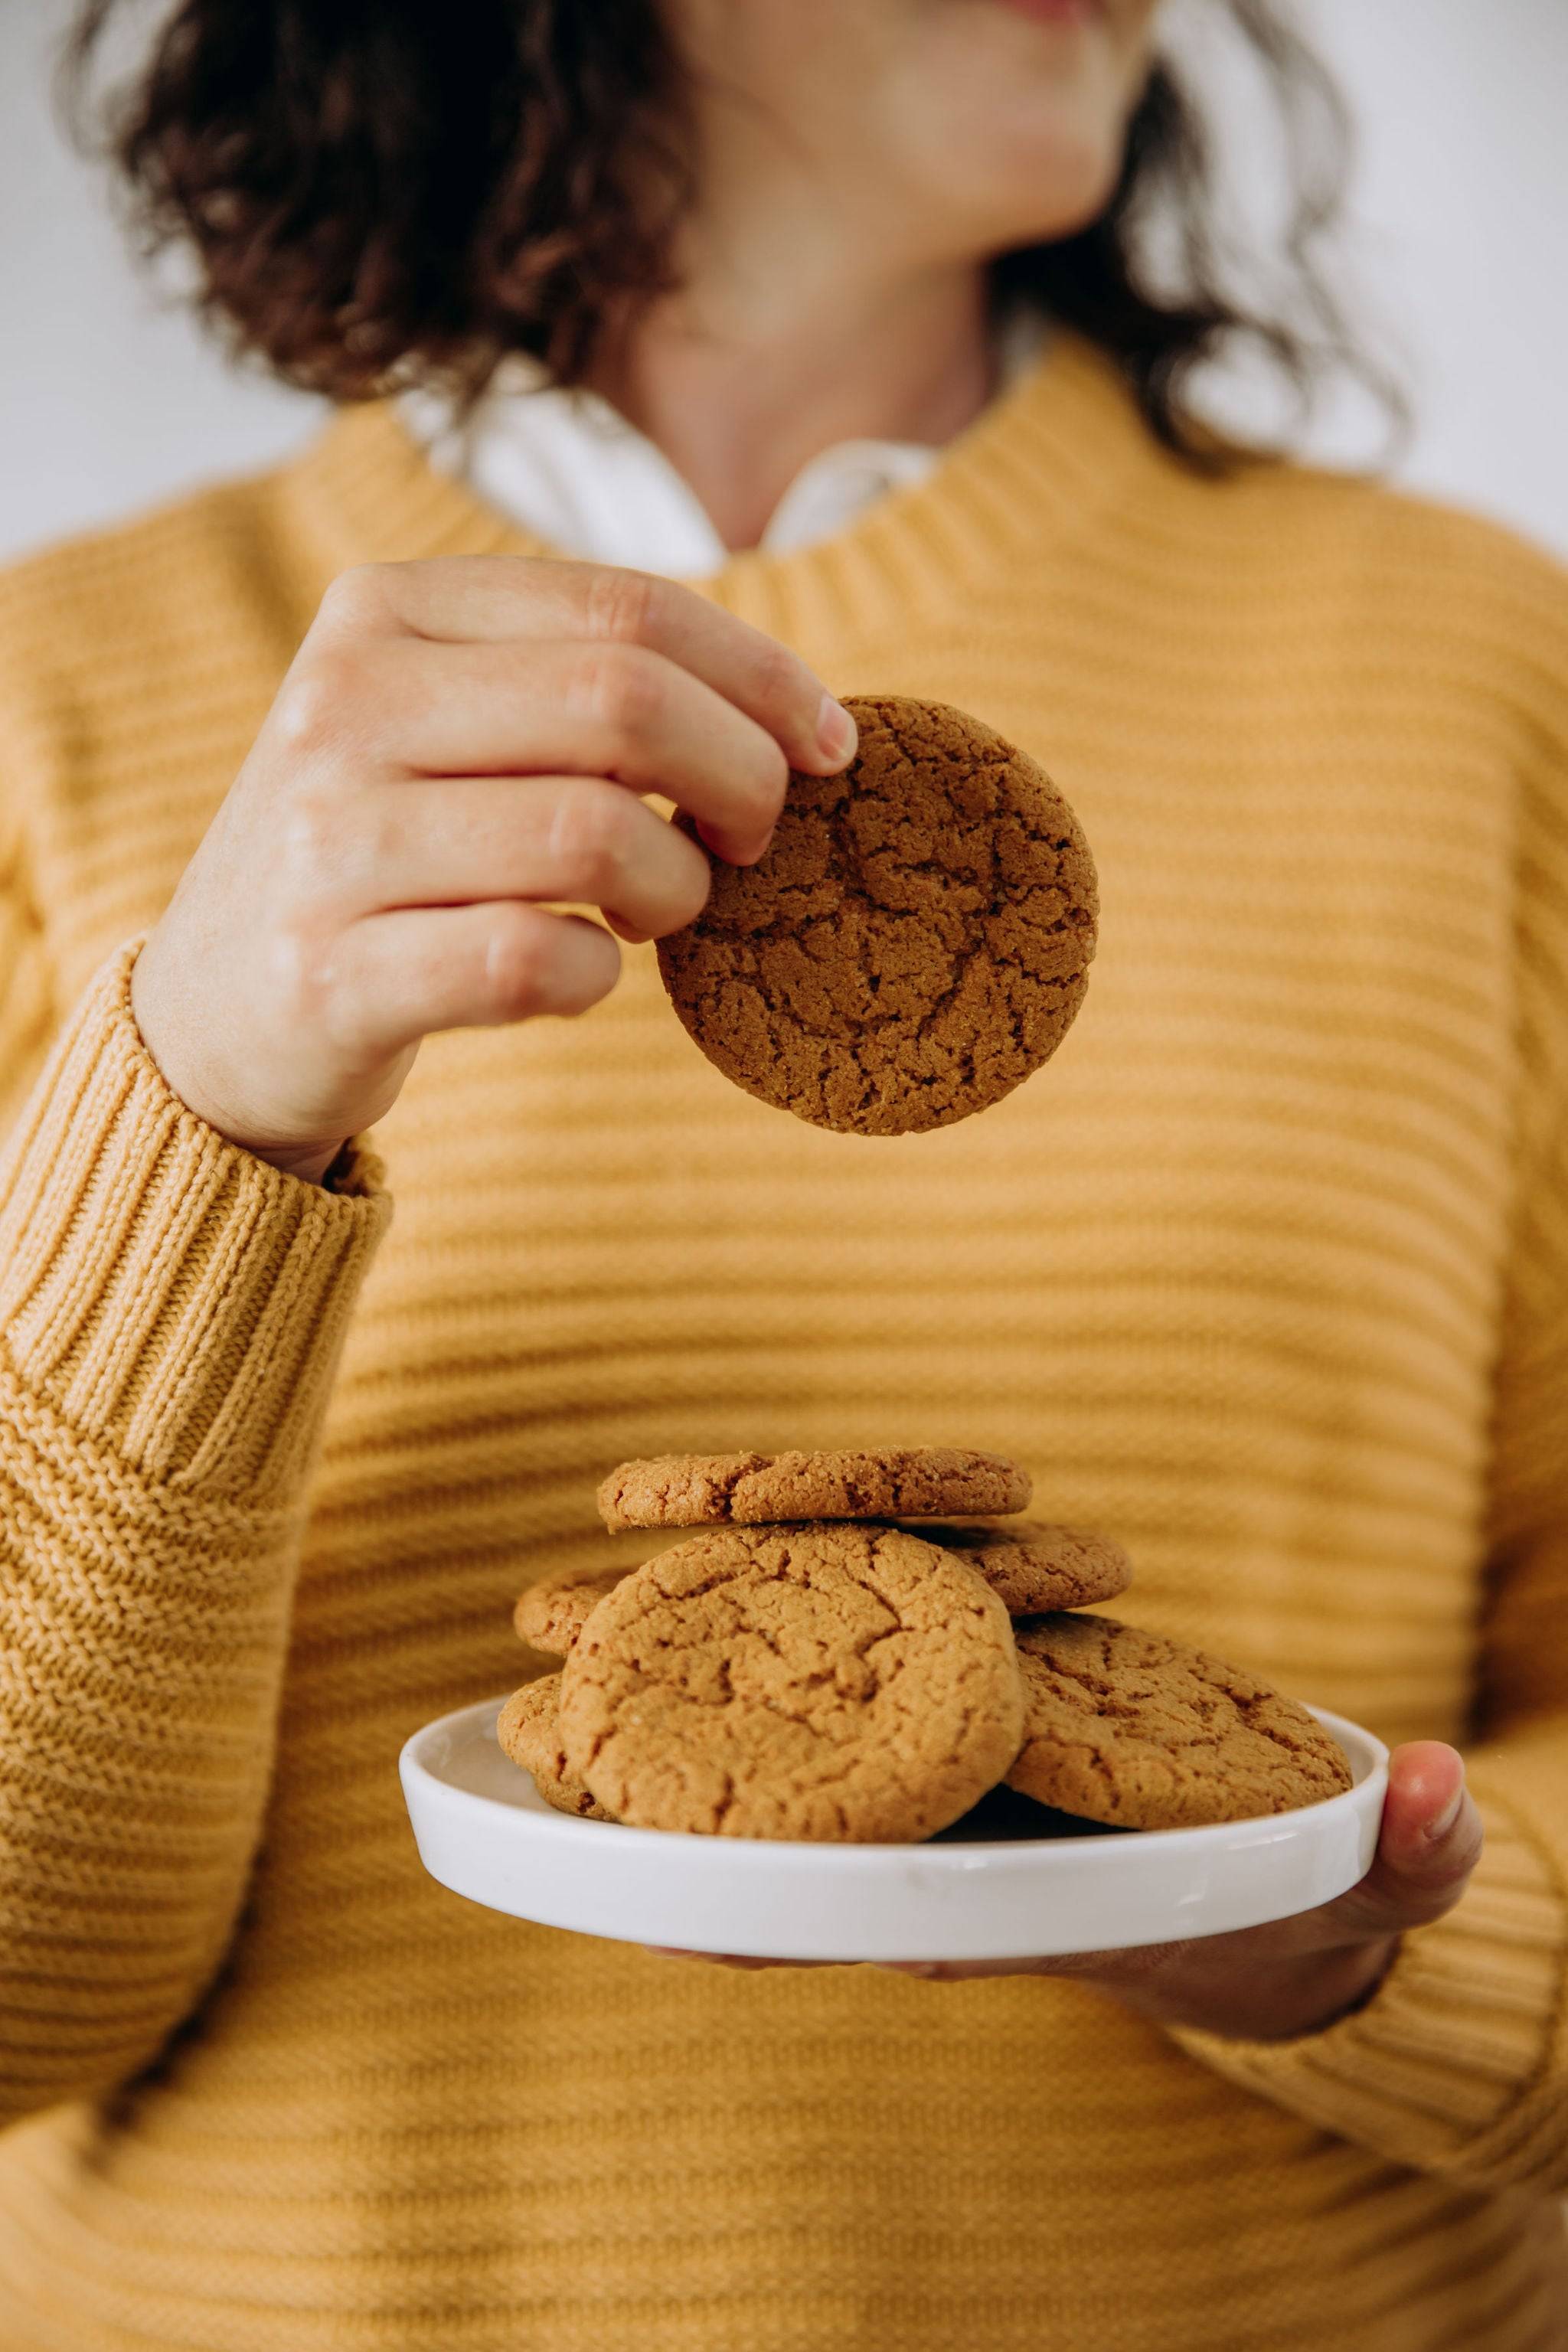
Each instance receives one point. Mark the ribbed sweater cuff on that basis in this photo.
(165, 1291)
(1450, 2066)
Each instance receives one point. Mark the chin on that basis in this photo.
(1015, 127)
(1039, 191)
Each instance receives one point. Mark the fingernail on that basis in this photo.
(758, 855)
(836, 734)
(1445, 1820)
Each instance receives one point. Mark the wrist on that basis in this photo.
(1311, 1994)
(1361, 1983)
(163, 1037)
(1279, 2001)
(312, 1163)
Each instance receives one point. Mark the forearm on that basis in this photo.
(170, 1317)
(142, 1644)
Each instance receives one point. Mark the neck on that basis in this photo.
(740, 389)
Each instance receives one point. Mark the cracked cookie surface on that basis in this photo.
(1034, 1566)
(908, 1482)
(915, 942)
(551, 1614)
(811, 1682)
(529, 1730)
(1131, 1729)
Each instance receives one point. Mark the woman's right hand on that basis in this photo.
(457, 744)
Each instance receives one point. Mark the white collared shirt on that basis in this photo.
(567, 467)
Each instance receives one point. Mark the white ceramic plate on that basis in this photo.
(484, 1831)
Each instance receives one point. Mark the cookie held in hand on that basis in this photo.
(1128, 1728)
(915, 942)
(808, 1682)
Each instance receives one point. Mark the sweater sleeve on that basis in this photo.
(1460, 2062)
(171, 1314)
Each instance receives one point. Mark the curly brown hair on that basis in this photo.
(378, 191)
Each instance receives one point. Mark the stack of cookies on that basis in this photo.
(859, 1646)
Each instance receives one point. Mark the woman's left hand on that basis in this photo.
(1294, 1975)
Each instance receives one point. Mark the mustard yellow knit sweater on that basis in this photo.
(1268, 1273)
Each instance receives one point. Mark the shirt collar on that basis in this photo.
(567, 467)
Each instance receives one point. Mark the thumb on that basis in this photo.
(1429, 1843)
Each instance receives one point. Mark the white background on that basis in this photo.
(1458, 244)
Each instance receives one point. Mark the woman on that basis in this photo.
(1268, 1273)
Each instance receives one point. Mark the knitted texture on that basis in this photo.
(1266, 1275)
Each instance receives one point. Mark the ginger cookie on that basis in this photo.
(1130, 1729)
(914, 943)
(1034, 1566)
(552, 1612)
(811, 1682)
(911, 1482)
(528, 1729)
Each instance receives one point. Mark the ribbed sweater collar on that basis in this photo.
(1034, 469)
